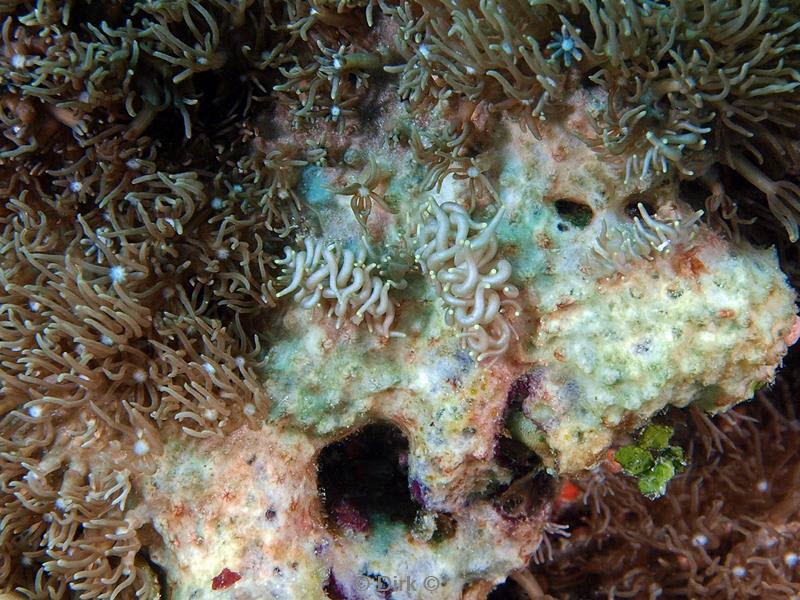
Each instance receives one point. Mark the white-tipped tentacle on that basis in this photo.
(297, 276)
(338, 281)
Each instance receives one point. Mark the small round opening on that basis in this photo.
(632, 202)
(574, 213)
(694, 193)
(364, 478)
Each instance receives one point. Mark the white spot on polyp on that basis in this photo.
(104, 339)
(139, 376)
(217, 203)
(762, 486)
(699, 540)
(18, 61)
(140, 448)
(34, 306)
(117, 274)
(239, 361)
(210, 414)
(209, 368)
(249, 409)
(790, 559)
(35, 411)
(76, 186)
(739, 571)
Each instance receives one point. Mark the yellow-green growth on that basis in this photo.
(652, 460)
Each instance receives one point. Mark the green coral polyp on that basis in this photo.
(652, 460)
(635, 460)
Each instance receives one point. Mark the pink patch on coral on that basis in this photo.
(793, 335)
(225, 579)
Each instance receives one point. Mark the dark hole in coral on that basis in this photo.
(445, 528)
(587, 82)
(364, 477)
(510, 452)
(632, 202)
(152, 540)
(508, 590)
(525, 495)
(161, 576)
(530, 486)
(694, 193)
(575, 213)
(562, 227)
(516, 456)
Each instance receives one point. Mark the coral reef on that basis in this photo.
(339, 298)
